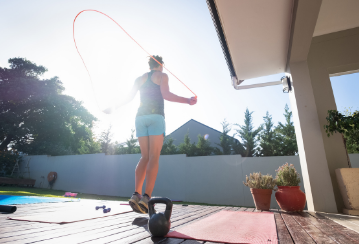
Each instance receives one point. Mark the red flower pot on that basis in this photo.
(290, 198)
(261, 198)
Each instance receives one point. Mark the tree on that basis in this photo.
(187, 147)
(248, 135)
(237, 146)
(35, 117)
(287, 142)
(267, 138)
(203, 147)
(90, 146)
(7, 161)
(168, 148)
(225, 139)
(105, 141)
(132, 147)
(347, 126)
(352, 136)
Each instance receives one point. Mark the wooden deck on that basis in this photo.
(131, 227)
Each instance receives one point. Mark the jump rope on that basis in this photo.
(128, 36)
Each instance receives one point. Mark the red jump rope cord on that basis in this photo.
(129, 36)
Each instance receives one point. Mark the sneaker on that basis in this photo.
(134, 203)
(144, 203)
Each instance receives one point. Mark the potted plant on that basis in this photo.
(261, 188)
(289, 196)
(348, 178)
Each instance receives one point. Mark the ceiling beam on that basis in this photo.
(305, 17)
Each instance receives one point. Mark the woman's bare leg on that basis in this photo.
(155, 148)
(140, 172)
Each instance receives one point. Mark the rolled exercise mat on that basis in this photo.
(7, 209)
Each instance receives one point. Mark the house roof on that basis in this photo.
(198, 123)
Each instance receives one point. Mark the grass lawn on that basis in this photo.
(40, 192)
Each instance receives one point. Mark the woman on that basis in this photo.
(150, 128)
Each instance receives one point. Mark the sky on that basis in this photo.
(182, 32)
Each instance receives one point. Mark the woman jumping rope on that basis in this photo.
(150, 127)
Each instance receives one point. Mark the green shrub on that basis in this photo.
(287, 175)
(259, 181)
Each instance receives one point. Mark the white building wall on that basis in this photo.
(210, 179)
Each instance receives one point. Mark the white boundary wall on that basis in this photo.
(211, 179)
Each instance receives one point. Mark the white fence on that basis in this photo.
(211, 179)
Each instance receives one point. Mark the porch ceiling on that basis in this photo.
(257, 34)
(337, 15)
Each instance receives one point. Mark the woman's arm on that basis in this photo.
(169, 96)
(127, 99)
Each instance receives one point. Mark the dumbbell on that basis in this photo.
(97, 207)
(107, 210)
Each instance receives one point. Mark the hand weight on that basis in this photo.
(159, 224)
(107, 210)
(97, 207)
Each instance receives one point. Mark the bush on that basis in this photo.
(287, 175)
(259, 181)
(7, 162)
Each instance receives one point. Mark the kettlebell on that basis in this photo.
(159, 224)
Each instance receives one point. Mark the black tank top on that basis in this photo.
(151, 98)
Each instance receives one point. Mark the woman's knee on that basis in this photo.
(153, 159)
(145, 158)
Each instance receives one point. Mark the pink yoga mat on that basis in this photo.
(231, 227)
(73, 214)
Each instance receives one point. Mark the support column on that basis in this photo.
(313, 161)
(330, 54)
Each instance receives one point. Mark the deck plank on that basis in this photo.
(192, 242)
(44, 227)
(351, 233)
(249, 209)
(332, 230)
(241, 209)
(177, 225)
(317, 235)
(299, 235)
(174, 223)
(307, 227)
(82, 224)
(282, 231)
(74, 228)
(107, 234)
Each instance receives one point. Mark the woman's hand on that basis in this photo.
(192, 100)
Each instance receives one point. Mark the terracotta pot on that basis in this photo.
(262, 198)
(290, 198)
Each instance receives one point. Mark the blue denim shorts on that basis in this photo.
(150, 125)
